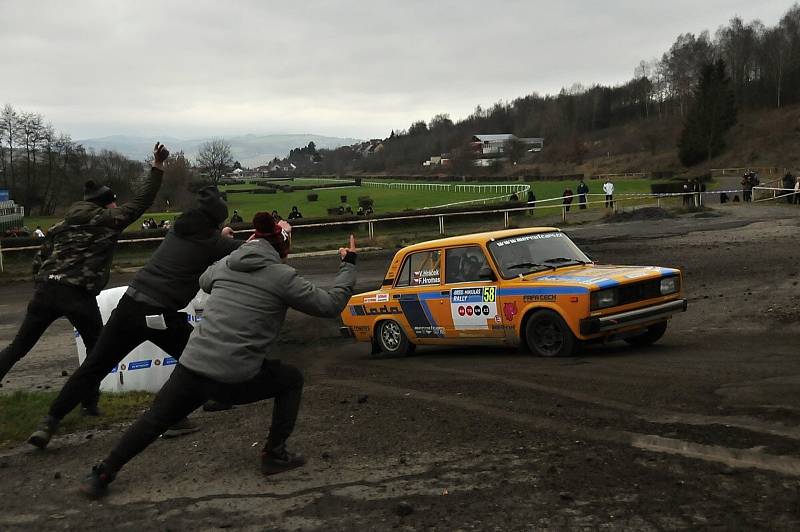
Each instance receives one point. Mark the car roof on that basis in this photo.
(476, 238)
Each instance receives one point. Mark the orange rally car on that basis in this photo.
(520, 287)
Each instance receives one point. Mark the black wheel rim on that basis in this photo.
(548, 338)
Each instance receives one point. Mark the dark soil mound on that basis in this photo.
(647, 213)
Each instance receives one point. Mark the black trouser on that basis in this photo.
(125, 330)
(51, 301)
(582, 201)
(186, 390)
(609, 200)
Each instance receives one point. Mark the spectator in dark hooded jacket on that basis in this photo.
(73, 265)
(149, 310)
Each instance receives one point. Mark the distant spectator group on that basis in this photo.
(150, 223)
(749, 180)
(791, 188)
(692, 189)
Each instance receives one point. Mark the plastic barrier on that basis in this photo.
(147, 367)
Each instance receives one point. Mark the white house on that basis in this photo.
(492, 145)
(496, 145)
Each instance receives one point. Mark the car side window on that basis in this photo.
(463, 265)
(420, 269)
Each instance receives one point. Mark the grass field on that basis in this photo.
(22, 411)
(386, 200)
(392, 200)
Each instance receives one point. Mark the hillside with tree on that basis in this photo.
(755, 70)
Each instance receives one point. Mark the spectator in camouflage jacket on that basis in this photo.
(73, 265)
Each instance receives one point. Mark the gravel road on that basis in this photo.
(700, 431)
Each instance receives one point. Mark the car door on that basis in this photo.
(417, 289)
(471, 294)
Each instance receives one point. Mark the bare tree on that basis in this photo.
(8, 134)
(30, 130)
(215, 159)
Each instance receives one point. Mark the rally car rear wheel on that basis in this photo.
(392, 340)
(649, 336)
(548, 336)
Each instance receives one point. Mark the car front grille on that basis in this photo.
(633, 292)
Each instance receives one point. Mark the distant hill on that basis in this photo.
(249, 150)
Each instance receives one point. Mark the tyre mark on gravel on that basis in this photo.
(744, 458)
(652, 416)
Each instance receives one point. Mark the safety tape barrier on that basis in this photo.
(537, 205)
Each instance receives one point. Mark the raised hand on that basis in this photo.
(344, 251)
(160, 154)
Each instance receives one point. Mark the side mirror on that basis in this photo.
(487, 274)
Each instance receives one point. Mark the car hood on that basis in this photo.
(599, 276)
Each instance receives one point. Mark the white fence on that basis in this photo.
(449, 187)
(437, 187)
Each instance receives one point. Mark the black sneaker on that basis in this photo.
(95, 485)
(44, 432)
(216, 406)
(91, 410)
(278, 460)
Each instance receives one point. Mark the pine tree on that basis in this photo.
(712, 113)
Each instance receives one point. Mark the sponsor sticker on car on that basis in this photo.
(472, 308)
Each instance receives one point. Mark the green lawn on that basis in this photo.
(22, 411)
(386, 200)
(393, 200)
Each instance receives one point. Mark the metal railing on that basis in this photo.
(555, 204)
(741, 169)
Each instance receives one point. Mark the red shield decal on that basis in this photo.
(469, 311)
(509, 311)
(461, 311)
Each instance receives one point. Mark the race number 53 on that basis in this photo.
(489, 294)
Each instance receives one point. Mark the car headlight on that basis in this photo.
(604, 298)
(670, 285)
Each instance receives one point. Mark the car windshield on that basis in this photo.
(535, 252)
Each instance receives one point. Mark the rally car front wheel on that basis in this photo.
(392, 340)
(548, 336)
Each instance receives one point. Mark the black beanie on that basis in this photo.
(99, 194)
(209, 200)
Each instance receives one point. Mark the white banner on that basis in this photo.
(147, 367)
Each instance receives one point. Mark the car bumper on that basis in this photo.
(346, 332)
(632, 317)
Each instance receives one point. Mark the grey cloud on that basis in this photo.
(335, 67)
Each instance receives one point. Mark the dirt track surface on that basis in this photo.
(699, 431)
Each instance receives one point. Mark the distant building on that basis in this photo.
(435, 160)
(497, 145)
(492, 145)
(370, 148)
(11, 214)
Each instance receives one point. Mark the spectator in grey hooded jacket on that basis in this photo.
(227, 354)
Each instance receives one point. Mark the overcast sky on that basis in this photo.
(338, 67)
